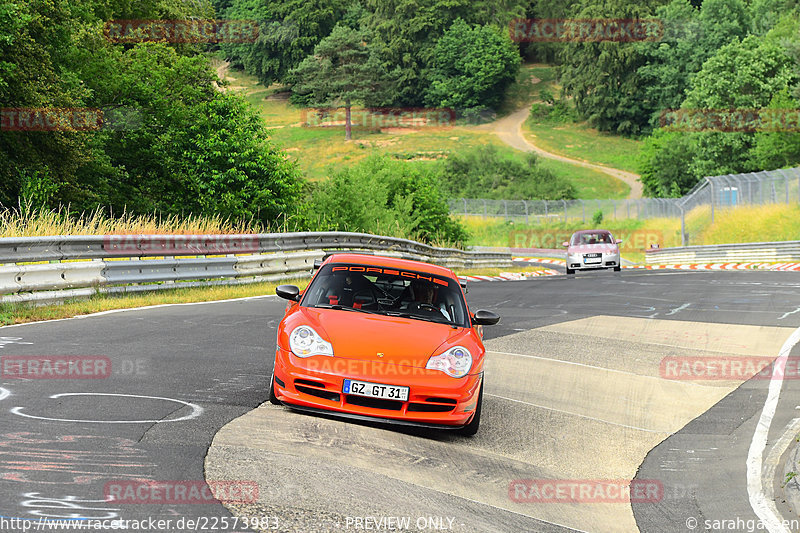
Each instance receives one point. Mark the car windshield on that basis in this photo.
(388, 291)
(591, 238)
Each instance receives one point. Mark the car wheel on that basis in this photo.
(272, 398)
(570, 271)
(617, 268)
(472, 428)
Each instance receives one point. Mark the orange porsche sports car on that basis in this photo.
(379, 337)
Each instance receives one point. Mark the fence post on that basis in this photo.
(713, 199)
(615, 208)
(565, 208)
(583, 206)
(526, 211)
(465, 206)
(484, 209)
(683, 225)
(505, 208)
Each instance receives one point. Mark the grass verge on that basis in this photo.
(18, 313)
(578, 141)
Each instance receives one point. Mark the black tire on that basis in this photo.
(272, 398)
(617, 268)
(472, 428)
(570, 271)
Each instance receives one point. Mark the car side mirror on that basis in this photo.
(618, 241)
(288, 292)
(565, 243)
(482, 317)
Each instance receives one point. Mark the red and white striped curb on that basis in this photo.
(512, 276)
(725, 266)
(545, 260)
(688, 266)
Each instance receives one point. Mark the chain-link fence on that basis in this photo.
(537, 211)
(756, 188)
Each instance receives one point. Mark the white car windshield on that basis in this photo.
(591, 238)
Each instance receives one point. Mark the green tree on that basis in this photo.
(185, 147)
(691, 36)
(485, 172)
(741, 75)
(342, 70)
(288, 32)
(383, 196)
(665, 163)
(471, 67)
(780, 148)
(602, 76)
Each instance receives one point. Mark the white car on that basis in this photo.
(591, 250)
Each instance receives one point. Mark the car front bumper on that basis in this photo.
(316, 383)
(577, 262)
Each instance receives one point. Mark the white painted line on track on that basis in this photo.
(196, 409)
(775, 453)
(666, 431)
(111, 311)
(789, 313)
(678, 309)
(763, 506)
(4, 393)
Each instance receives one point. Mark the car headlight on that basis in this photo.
(305, 342)
(455, 362)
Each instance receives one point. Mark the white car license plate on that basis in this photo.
(592, 260)
(375, 390)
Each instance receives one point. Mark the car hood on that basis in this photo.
(593, 248)
(361, 336)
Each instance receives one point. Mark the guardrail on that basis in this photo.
(80, 266)
(760, 252)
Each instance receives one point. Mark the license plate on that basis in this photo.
(375, 390)
(591, 260)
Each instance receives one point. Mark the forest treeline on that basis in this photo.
(179, 145)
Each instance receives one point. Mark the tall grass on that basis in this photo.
(776, 222)
(26, 221)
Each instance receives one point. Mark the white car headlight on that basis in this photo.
(455, 362)
(305, 342)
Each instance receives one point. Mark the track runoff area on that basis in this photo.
(630, 401)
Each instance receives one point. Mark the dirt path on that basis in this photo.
(509, 129)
